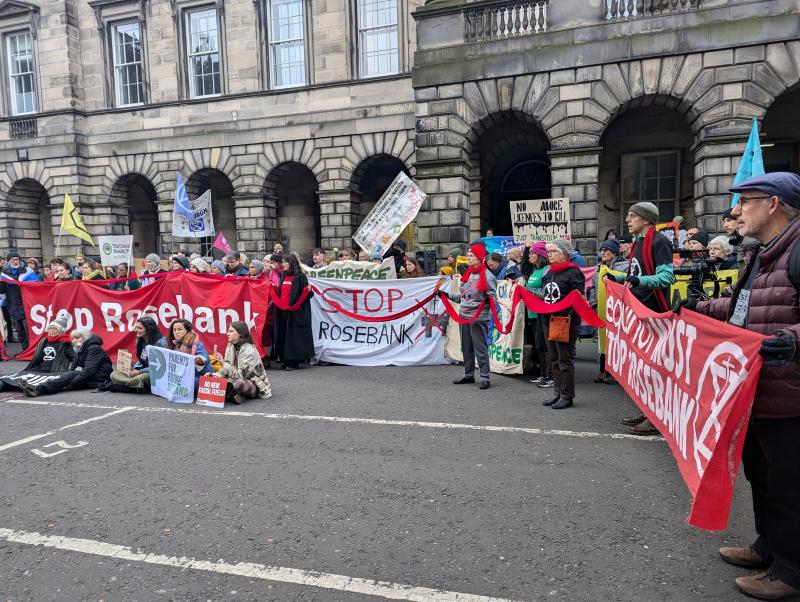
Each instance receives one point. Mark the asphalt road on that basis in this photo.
(349, 484)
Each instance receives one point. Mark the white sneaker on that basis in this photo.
(546, 383)
(537, 380)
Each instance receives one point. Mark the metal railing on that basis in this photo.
(620, 10)
(23, 128)
(498, 21)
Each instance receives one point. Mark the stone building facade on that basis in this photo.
(297, 113)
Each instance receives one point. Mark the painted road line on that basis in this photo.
(118, 410)
(376, 421)
(368, 587)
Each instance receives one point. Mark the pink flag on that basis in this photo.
(222, 244)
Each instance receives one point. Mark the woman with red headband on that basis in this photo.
(478, 285)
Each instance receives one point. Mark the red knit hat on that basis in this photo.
(479, 251)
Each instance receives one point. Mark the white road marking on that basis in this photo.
(378, 421)
(118, 410)
(65, 447)
(368, 587)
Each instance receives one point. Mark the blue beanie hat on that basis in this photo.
(612, 244)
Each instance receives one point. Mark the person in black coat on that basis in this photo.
(563, 278)
(15, 270)
(90, 367)
(294, 341)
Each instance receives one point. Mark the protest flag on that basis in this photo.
(752, 163)
(221, 243)
(72, 223)
(182, 206)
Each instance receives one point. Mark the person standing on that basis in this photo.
(563, 277)
(294, 341)
(649, 277)
(152, 265)
(609, 254)
(478, 289)
(538, 259)
(765, 300)
(15, 271)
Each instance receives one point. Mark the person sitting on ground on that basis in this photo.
(241, 365)
(413, 269)
(53, 354)
(91, 270)
(721, 250)
(181, 337)
(89, 369)
(131, 282)
(137, 379)
(217, 267)
(200, 266)
(152, 265)
(512, 270)
(233, 266)
(179, 263)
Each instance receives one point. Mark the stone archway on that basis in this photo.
(136, 200)
(222, 206)
(781, 129)
(29, 207)
(646, 156)
(509, 163)
(291, 191)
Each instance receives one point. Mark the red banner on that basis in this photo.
(209, 303)
(694, 378)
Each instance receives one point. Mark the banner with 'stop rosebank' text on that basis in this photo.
(694, 378)
(209, 303)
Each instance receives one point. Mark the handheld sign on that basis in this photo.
(171, 374)
(124, 361)
(211, 391)
(540, 219)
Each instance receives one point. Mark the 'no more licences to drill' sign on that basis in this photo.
(540, 219)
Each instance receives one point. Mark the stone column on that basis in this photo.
(255, 223)
(716, 161)
(444, 219)
(338, 217)
(574, 174)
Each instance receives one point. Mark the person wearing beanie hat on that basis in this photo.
(53, 355)
(563, 278)
(647, 211)
(539, 248)
(537, 259)
(179, 263)
(200, 266)
(649, 276)
(376, 258)
(152, 265)
(16, 271)
(765, 300)
(609, 255)
(453, 255)
(217, 267)
(697, 241)
(478, 287)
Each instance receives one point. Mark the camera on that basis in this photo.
(702, 269)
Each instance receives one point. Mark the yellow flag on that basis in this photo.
(71, 222)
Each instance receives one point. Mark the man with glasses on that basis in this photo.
(649, 277)
(765, 300)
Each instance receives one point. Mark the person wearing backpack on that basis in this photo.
(765, 300)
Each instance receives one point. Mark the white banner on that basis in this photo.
(505, 350)
(390, 215)
(171, 374)
(354, 270)
(115, 250)
(414, 340)
(540, 219)
(202, 223)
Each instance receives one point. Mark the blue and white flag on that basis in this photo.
(752, 163)
(191, 218)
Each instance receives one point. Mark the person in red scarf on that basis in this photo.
(294, 341)
(563, 278)
(649, 278)
(478, 286)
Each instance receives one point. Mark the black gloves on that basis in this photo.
(684, 303)
(634, 280)
(778, 350)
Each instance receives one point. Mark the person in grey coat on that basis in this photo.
(478, 286)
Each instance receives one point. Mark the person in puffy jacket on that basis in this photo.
(765, 300)
(90, 367)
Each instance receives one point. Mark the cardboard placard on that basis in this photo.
(211, 391)
(540, 219)
(124, 361)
